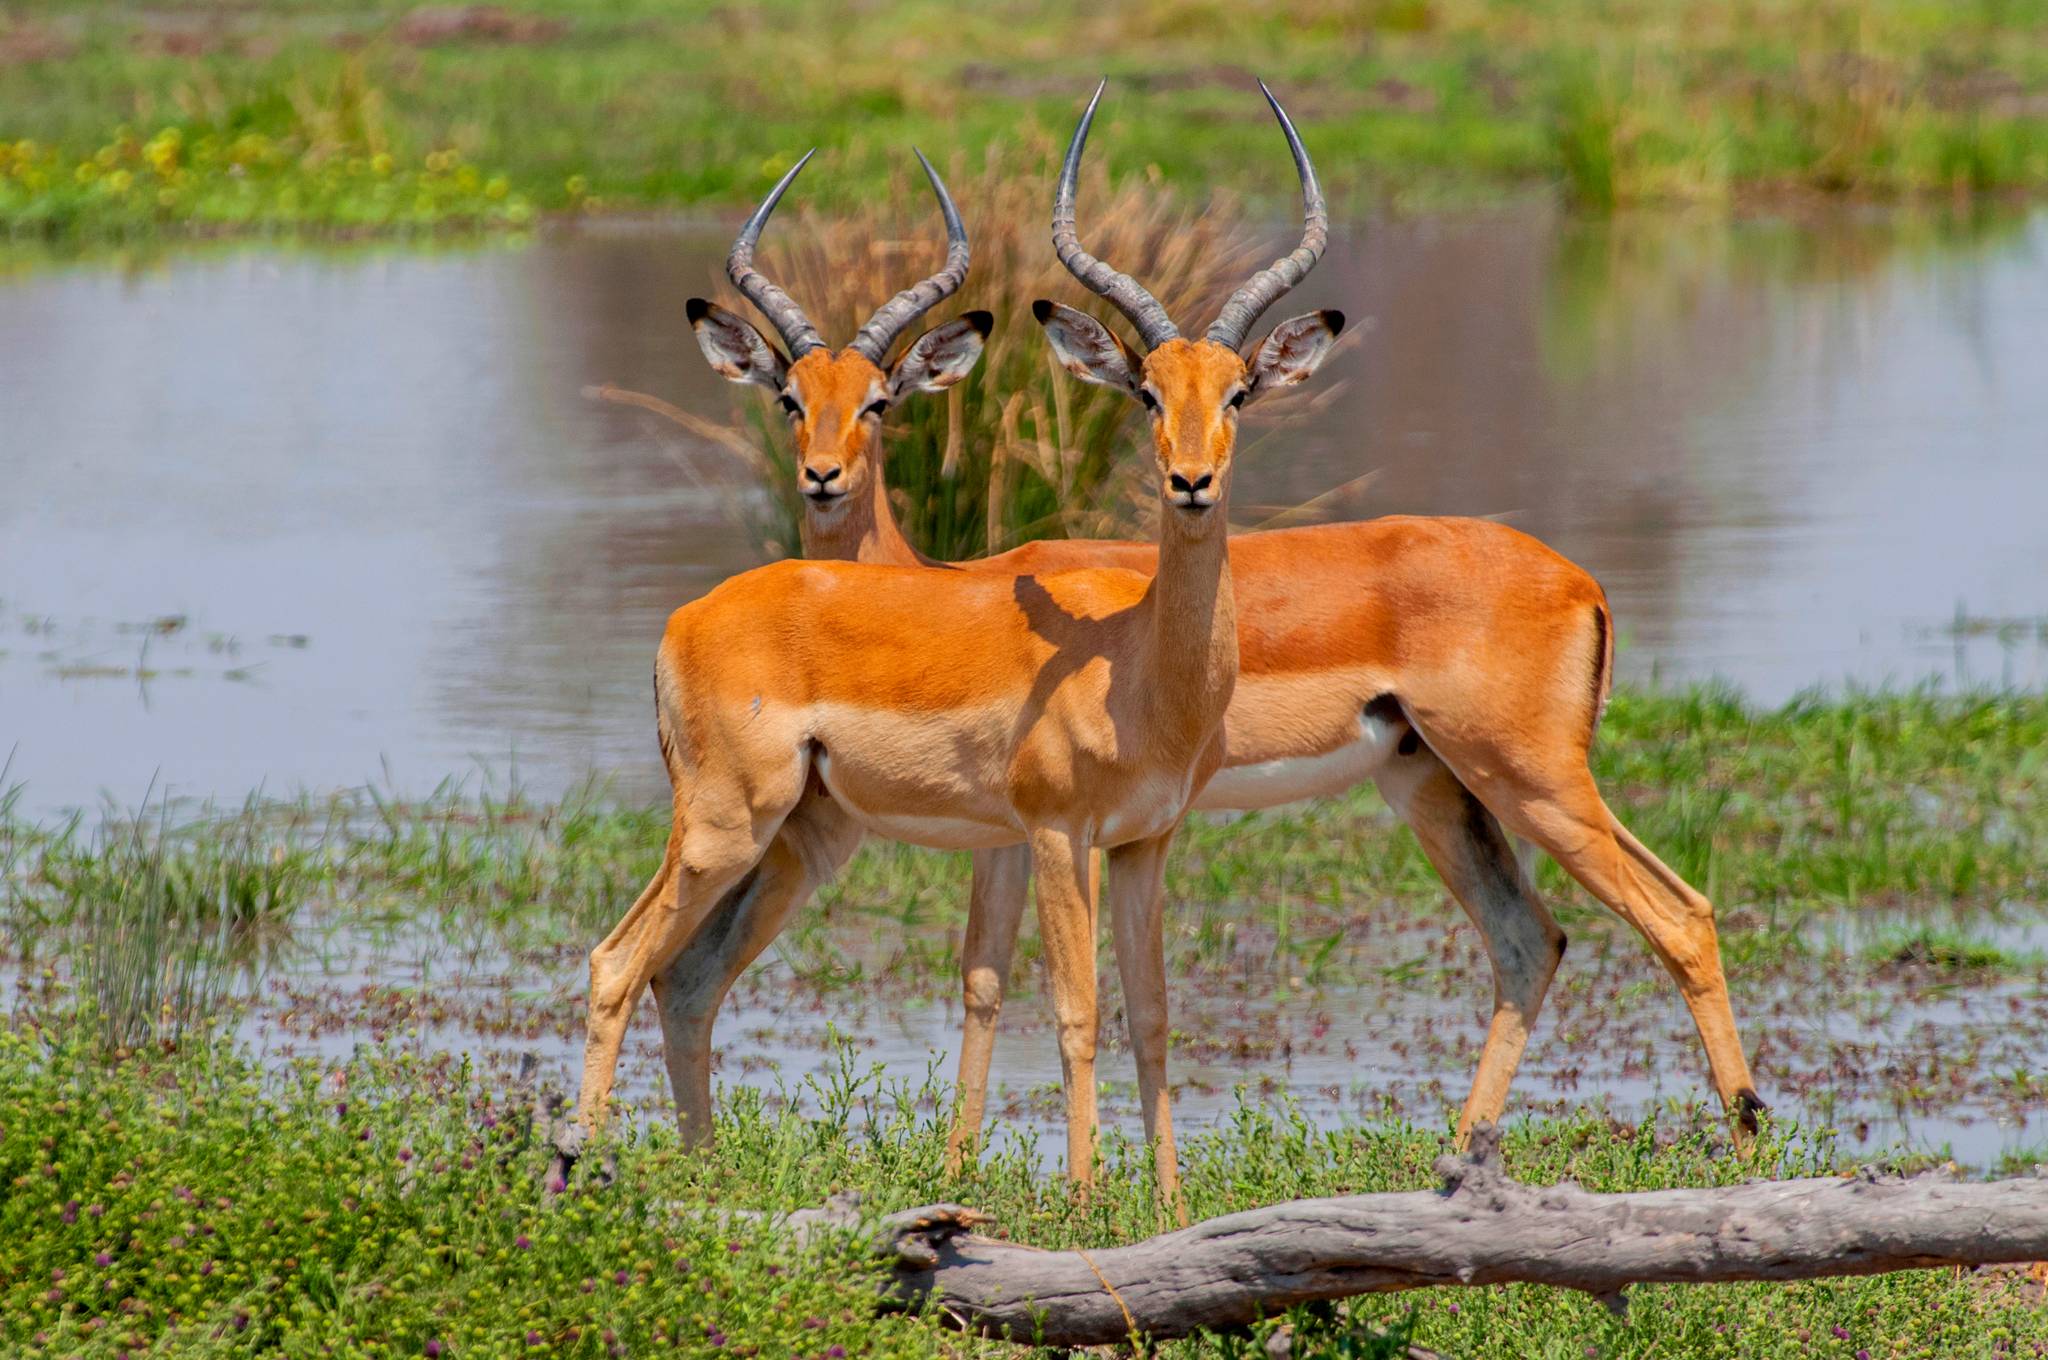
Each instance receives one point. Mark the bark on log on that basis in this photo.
(1480, 1228)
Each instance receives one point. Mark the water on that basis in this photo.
(306, 520)
(403, 544)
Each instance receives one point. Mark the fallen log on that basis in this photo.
(1481, 1228)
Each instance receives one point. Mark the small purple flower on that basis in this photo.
(1454, 1310)
(405, 1154)
(533, 1338)
(556, 1185)
(1841, 1332)
(70, 1211)
(682, 1265)
(836, 1353)
(206, 1269)
(1862, 1354)
(105, 1258)
(96, 1209)
(523, 1242)
(433, 1349)
(57, 1275)
(620, 1277)
(490, 1121)
(241, 1322)
(814, 1322)
(341, 1107)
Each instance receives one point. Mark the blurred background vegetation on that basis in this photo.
(297, 114)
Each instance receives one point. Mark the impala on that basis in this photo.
(797, 704)
(1459, 664)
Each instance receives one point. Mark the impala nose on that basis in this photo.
(819, 483)
(1197, 493)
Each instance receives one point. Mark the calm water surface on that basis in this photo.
(306, 520)
(404, 543)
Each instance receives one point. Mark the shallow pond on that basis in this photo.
(312, 519)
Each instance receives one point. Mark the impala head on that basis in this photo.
(1193, 389)
(835, 399)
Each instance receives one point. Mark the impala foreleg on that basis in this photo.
(1066, 920)
(806, 852)
(1137, 891)
(995, 908)
(1478, 864)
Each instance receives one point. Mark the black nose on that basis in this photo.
(821, 478)
(1186, 487)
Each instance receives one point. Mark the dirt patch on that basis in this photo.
(21, 44)
(438, 25)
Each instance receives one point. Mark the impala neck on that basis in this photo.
(863, 528)
(1194, 626)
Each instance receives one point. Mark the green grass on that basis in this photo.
(1906, 799)
(189, 1205)
(296, 115)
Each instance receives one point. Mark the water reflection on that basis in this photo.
(399, 536)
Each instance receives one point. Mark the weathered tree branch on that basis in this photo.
(1481, 1228)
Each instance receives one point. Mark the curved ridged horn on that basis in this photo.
(1154, 325)
(893, 316)
(1266, 286)
(780, 309)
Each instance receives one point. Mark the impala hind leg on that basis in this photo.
(1558, 806)
(697, 868)
(812, 845)
(1137, 892)
(995, 908)
(1066, 926)
(1478, 864)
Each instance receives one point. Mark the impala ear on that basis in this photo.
(1294, 351)
(941, 356)
(735, 349)
(1086, 348)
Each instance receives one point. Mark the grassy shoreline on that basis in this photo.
(296, 116)
(187, 1204)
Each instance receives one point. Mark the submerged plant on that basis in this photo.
(166, 920)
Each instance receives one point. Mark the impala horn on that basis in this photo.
(779, 307)
(1155, 327)
(894, 316)
(1264, 288)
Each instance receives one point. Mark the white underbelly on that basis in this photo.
(960, 829)
(1270, 783)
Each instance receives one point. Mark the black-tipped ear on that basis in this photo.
(736, 351)
(1088, 349)
(1294, 351)
(941, 356)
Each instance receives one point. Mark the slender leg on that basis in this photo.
(1556, 804)
(696, 870)
(995, 907)
(1137, 891)
(811, 846)
(1065, 914)
(1478, 864)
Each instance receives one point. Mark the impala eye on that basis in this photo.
(1237, 398)
(1147, 400)
(876, 407)
(789, 405)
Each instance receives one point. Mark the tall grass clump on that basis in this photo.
(167, 919)
(1019, 450)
